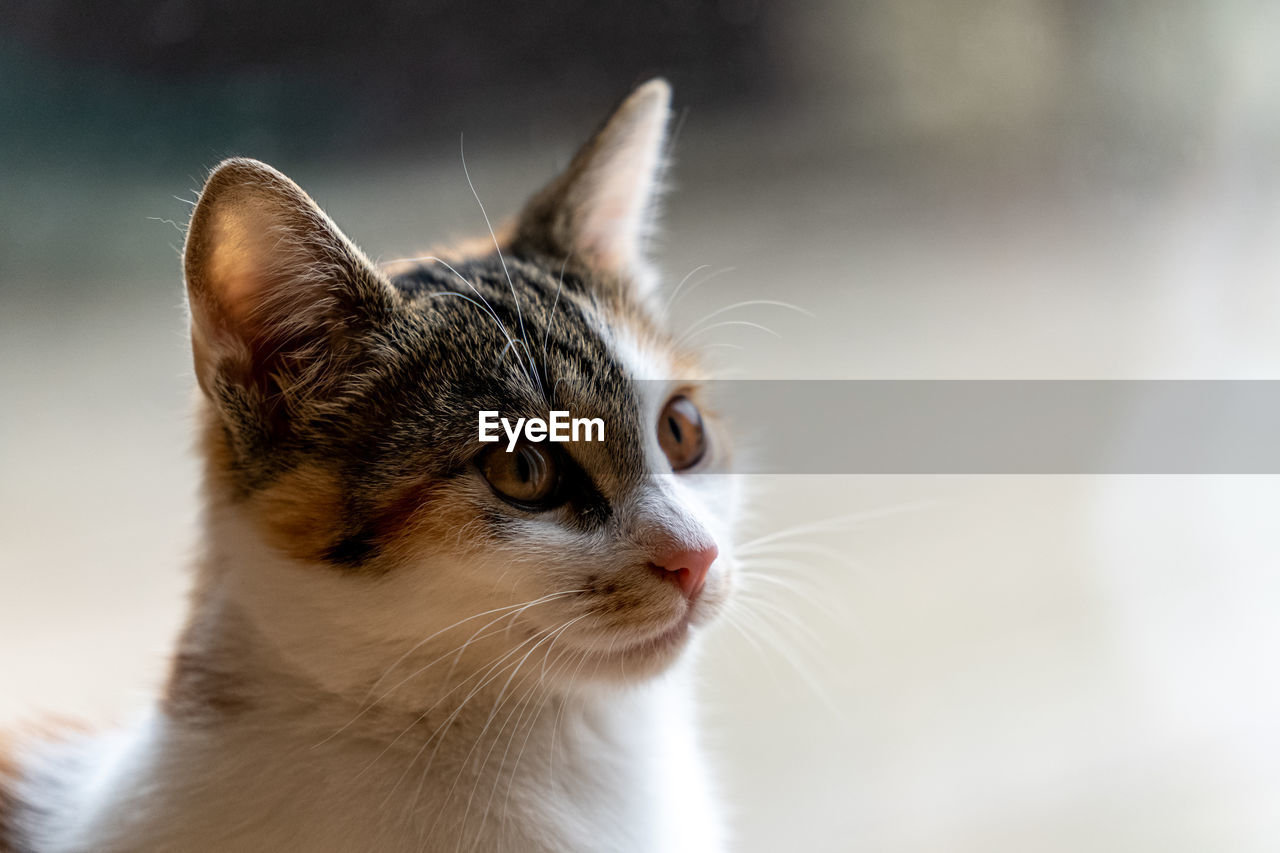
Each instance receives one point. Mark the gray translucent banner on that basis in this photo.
(1002, 427)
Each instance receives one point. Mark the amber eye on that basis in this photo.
(680, 433)
(527, 476)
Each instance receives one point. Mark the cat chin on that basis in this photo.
(627, 660)
(667, 640)
(637, 658)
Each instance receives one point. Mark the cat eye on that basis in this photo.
(680, 433)
(528, 476)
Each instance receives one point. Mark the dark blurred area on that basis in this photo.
(166, 81)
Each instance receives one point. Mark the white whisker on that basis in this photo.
(707, 278)
(546, 333)
(676, 291)
(517, 609)
(837, 523)
(747, 303)
(723, 324)
(493, 235)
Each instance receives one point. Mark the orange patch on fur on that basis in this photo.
(300, 514)
(433, 520)
(303, 513)
(405, 512)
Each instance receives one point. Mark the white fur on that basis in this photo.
(626, 779)
(617, 769)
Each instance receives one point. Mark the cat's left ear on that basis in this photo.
(279, 297)
(601, 210)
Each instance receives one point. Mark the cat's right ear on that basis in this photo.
(277, 293)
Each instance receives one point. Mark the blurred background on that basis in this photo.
(993, 189)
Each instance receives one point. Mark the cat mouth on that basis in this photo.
(666, 640)
(628, 656)
(630, 650)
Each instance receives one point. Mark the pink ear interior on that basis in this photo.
(267, 273)
(600, 210)
(614, 195)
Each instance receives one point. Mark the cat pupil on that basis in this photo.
(675, 428)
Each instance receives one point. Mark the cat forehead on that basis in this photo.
(524, 337)
(510, 300)
(541, 320)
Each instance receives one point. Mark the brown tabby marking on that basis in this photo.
(198, 689)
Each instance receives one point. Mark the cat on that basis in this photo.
(401, 638)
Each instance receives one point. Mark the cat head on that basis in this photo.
(356, 519)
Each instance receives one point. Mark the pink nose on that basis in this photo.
(688, 567)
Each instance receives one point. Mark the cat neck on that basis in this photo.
(245, 754)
